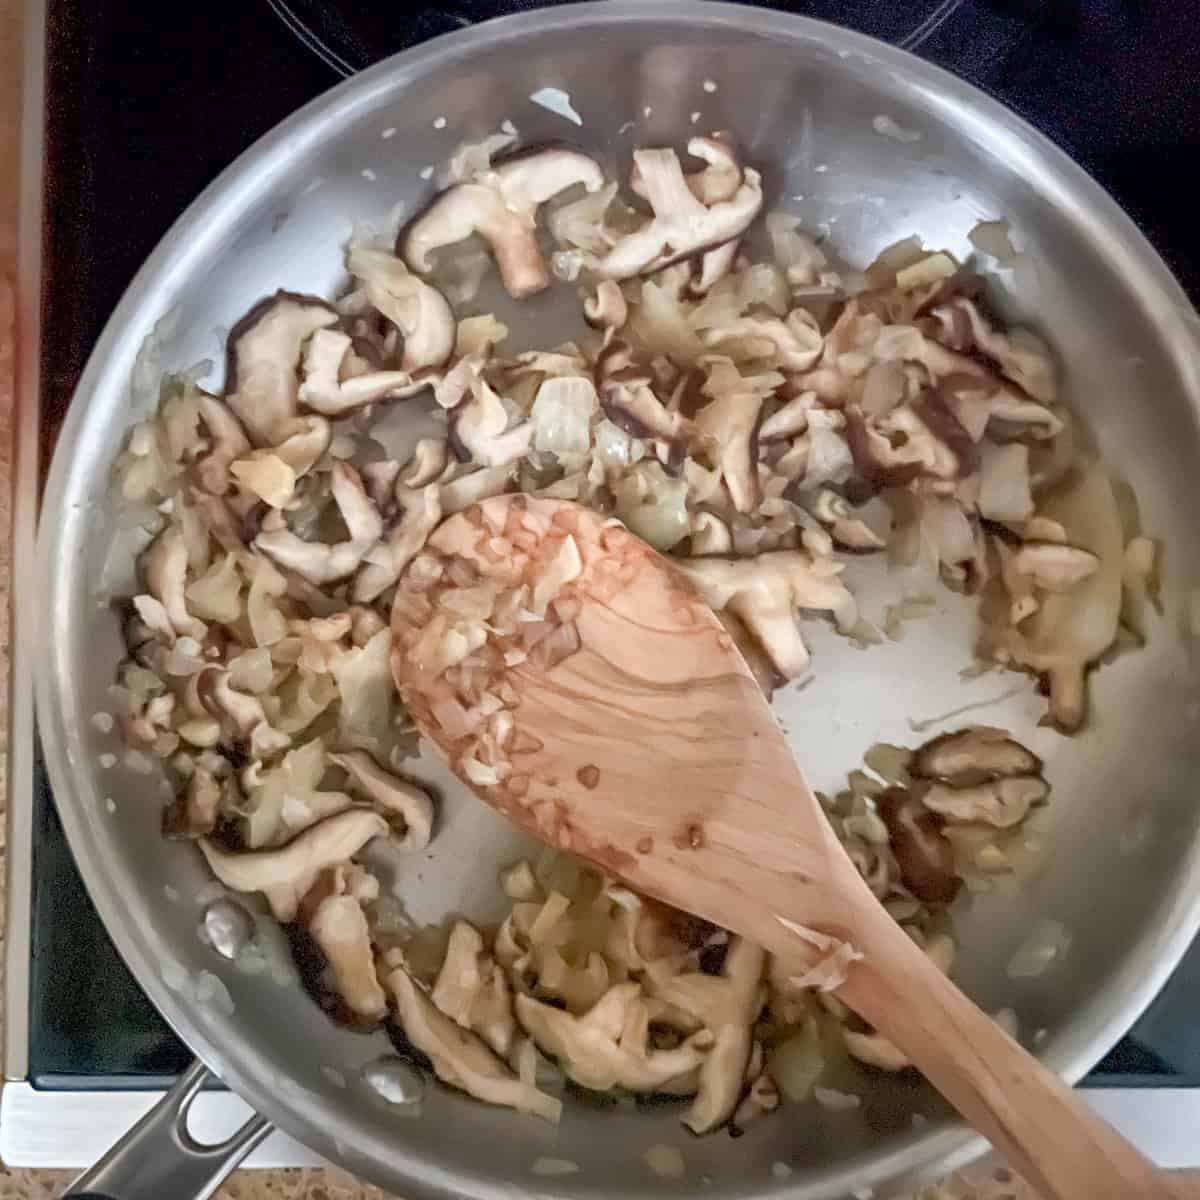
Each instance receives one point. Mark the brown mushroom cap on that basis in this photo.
(974, 755)
(264, 349)
(924, 856)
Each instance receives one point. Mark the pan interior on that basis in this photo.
(809, 103)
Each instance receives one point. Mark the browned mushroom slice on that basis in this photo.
(501, 206)
(731, 1022)
(400, 801)
(766, 594)
(164, 566)
(338, 926)
(849, 531)
(640, 413)
(427, 463)
(710, 535)
(730, 422)
(1001, 803)
(473, 991)
(608, 1046)
(262, 383)
(791, 419)
(629, 401)
(417, 309)
(974, 755)
(193, 813)
(421, 511)
(607, 309)
(1073, 628)
(762, 1098)
(479, 429)
(682, 225)
(719, 179)
(717, 183)
(715, 264)
(325, 392)
(907, 442)
(320, 562)
(875, 1050)
(228, 440)
(924, 856)
(284, 875)
(459, 1057)
(1019, 357)
(797, 340)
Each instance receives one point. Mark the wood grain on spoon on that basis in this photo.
(575, 681)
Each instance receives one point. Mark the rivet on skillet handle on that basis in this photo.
(159, 1158)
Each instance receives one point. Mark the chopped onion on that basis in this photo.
(796, 1064)
(661, 324)
(992, 237)
(473, 158)
(928, 270)
(479, 773)
(216, 595)
(364, 682)
(665, 1161)
(554, 1168)
(653, 505)
(614, 447)
(836, 1101)
(267, 476)
(519, 883)
(796, 253)
(1045, 946)
(562, 414)
(1004, 487)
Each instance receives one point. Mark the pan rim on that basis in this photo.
(177, 257)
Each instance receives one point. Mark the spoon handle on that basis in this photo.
(1040, 1125)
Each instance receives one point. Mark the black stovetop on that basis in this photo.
(147, 102)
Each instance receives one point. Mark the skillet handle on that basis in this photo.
(159, 1158)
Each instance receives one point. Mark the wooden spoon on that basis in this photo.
(633, 734)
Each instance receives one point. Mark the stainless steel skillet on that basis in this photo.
(819, 108)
